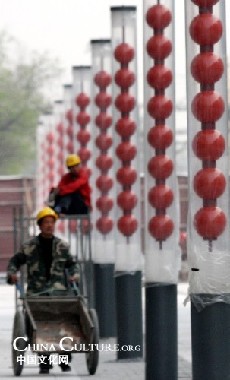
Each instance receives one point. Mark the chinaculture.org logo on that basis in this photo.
(66, 344)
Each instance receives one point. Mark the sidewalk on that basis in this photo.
(109, 367)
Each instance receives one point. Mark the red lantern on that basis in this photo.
(127, 225)
(61, 171)
(208, 106)
(124, 78)
(85, 226)
(61, 227)
(125, 127)
(125, 102)
(160, 167)
(210, 222)
(82, 100)
(208, 144)
(161, 227)
(83, 118)
(158, 17)
(160, 107)
(70, 146)
(209, 183)
(103, 100)
(83, 136)
(103, 142)
(72, 226)
(126, 151)
(206, 29)
(126, 176)
(127, 200)
(104, 162)
(69, 130)
(104, 183)
(103, 121)
(159, 47)
(124, 53)
(51, 163)
(207, 68)
(60, 156)
(60, 142)
(60, 128)
(160, 137)
(102, 79)
(50, 137)
(160, 196)
(159, 77)
(104, 204)
(84, 154)
(50, 150)
(104, 224)
(69, 116)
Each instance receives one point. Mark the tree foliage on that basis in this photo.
(24, 79)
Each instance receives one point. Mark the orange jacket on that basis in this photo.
(69, 184)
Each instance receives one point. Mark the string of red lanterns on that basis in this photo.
(125, 128)
(83, 136)
(160, 136)
(69, 131)
(104, 162)
(208, 107)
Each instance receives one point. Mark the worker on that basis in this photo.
(47, 258)
(72, 195)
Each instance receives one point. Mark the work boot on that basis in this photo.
(44, 370)
(65, 367)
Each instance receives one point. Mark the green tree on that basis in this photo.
(24, 80)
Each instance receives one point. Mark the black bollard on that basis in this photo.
(129, 315)
(105, 299)
(210, 338)
(161, 332)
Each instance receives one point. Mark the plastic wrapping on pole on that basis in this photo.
(105, 299)
(129, 316)
(211, 341)
(208, 237)
(161, 332)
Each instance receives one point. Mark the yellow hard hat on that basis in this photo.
(72, 160)
(46, 211)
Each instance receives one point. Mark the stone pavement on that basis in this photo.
(109, 367)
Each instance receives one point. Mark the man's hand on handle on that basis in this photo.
(12, 279)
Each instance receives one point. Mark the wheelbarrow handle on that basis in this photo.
(19, 289)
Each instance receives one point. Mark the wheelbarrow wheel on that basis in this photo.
(92, 356)
(17, 355)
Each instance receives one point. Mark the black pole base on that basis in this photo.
(161, 332)
(129, 315)
(210, 340)
(105, 299)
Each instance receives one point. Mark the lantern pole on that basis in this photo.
(103, 184)
(67, 119)
(83, 135)
(60, 156)
(128, 260)
(162, 219)
(50, 150)
(82, 112)
(208, 230)
(39, 165)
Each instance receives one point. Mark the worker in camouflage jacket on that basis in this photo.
(47, 258)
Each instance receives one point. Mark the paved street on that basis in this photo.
(109, 367)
